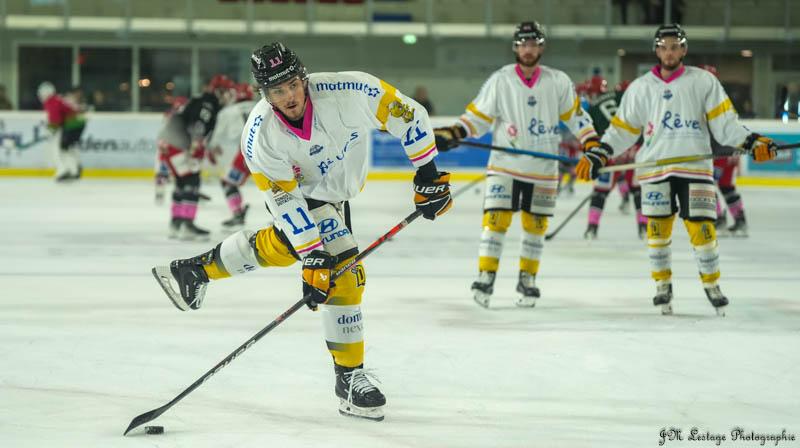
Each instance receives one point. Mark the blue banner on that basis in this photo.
(787, 161)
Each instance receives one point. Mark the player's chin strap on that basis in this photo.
(683, 159)
(155, 413)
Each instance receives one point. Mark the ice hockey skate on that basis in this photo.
(358, 397)
(237, 220)
(591, 232)
(717, 299)
(663, 297)
(527, 287)
(184, 281)
(185, 230)
(483, 287)
(738, 229)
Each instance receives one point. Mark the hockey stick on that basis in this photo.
(541, 155)
(155, 413)
(683, 159)
(552, 234)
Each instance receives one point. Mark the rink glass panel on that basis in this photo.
(52, 64)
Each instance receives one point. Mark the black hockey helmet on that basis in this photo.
(529, 31)
(274, 64)
(671, 30)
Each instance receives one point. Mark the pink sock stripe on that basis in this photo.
(594, 215)
(235, 203)
(736, 209)
(640, 218)
(189, 211)
(177, 210)
(624, 188)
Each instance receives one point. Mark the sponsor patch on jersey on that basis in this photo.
(367, 89)
(538, 128)
(316, 149)
(325, 165)
(399, 110)
(667, 94)
(328, 225)
(532, 101)
(251, 136)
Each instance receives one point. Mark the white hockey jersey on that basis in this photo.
(675, 115)
(227, 133)
(327, 159)
(525, 114)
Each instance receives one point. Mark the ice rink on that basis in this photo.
(88, 340)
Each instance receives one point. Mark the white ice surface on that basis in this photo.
(88, 340)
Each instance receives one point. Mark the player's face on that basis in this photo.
(670, 53)
(289, 98)
(528, 53)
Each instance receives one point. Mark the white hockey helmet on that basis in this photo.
(45, 91)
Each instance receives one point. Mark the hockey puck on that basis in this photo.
(154, 430)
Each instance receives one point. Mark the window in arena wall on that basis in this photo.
(42, 64)
(105, 75)
(164, 74)
(233, 63)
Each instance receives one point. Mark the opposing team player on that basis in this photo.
(224, 144)
(181, 149)
(66, 120)
(522, 104)
(725, 175)
(602, 106)
(306, 144)
(675, 107)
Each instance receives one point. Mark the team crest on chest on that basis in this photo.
(316, 149)
(667, 94)
(532, 101)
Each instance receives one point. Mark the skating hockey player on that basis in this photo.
(224, 145)
(522, 105)
(180, 146)
(674, 108)
(67, 122)
(305, 143)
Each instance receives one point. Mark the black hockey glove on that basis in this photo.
(447, 137)
(595, 156)
(317, 277)
(432, 197)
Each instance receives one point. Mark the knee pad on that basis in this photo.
(534, 224)
(659, 231)
(701, 233)
(497, 220)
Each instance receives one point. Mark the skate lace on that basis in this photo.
(359, 382)
(714, 292)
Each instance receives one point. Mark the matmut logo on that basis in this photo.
(367, 89)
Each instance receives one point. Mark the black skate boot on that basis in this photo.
(717, 299)
(642, 229)
(483, 287)
(663, 297)
(625, 204)
(739, 228)
(190, 232)
(591, 232)
(358, 397)
(527, 287)
(721, 224)
(175, 226)
(189, 277)
(237, 220)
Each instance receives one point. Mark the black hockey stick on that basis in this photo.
(155, 413)
(541, 155)
(552, 234)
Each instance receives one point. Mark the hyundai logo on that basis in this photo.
(328, 225)
(497, 189)
(655, 196)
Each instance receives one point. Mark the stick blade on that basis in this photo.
(144, 418)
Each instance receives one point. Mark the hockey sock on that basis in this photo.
(596, 205)
(245, 251)
(233, 197)
(734, 201)
(185, 196)
(703, 236)
(342, 318)
(495, 224)
(535, 227)
(659, 238)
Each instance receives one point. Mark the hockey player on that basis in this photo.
(674, 108)
(306, 144)
(224, 142)
(64, 118)
(180, 146)
(602, 106)
(725, 176)
(522, 104)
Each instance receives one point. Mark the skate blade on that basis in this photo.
(481, 299)
(666, 309)
(350, 410)
(163, 276)
(720, 310)
(526, 302)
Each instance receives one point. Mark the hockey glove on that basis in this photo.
(595, 156)
(432, 197)
(763, 149)
(447, 137)
(317, 277)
